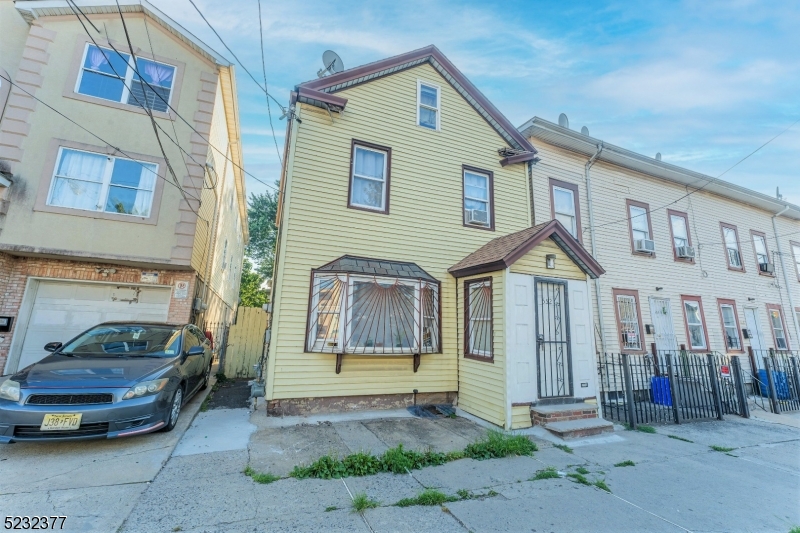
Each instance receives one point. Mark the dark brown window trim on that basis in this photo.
(778, 308)
(575, 195)
(792, 245)
(732, 303)
(693, 298)
(635, 294)
(365, 144)
(467, 354)
(646, 207)
(753, 233)
(465, 168)
(685, 216)
(722, 226)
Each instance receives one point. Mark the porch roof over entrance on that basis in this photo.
(502, 252)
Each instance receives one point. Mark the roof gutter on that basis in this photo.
(597, 291)
(792, 312)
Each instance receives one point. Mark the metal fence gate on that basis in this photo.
(775, 380)
(674, 386)
(553, 354)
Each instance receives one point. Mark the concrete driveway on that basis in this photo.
(94, 483)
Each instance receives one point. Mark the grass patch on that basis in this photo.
(563, 447)
(498, 444)
(581, 470)
(427, 497)
(646, 429)
(221, 377)
(579, 478)
(679, 438)
(626, 463)
(721, 449)
(331, 508)
(260, 477)
(548, 473)
(601, 484)
(795, 529)
(362, 502)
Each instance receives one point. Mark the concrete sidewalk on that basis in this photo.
(675, 485)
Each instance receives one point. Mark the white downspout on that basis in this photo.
(597, 291)
(785, 278)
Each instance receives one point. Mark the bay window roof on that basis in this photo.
(376, 267)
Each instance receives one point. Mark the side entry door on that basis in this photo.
(553, 350)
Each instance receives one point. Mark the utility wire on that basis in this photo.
(264, 70)
(709, 182)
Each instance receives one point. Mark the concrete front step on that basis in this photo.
(543, 415)
(572, 429)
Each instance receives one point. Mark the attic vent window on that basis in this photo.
(428, 105)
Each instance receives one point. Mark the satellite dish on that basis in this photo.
(585, 131)
(332, 64)
(658, 156)
(563, 121)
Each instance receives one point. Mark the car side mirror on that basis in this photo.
(52, 346)
(195, 350)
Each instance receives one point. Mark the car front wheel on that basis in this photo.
(174, 410)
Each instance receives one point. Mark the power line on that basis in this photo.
(264, 70)
(709, 182)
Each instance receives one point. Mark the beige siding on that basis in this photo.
(245, 342)
(534, 263)
(482, 384)
(424, 225)
(521, 416)
(709, 277)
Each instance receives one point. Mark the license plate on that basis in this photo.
(61, 422)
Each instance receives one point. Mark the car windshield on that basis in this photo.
(127, 339)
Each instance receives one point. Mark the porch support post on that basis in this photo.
(738, 380)
(773, 396)
(712, 375)
(673, 388)
(629, 405)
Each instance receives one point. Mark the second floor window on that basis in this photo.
(681, 238)
(478, 198)
(428, 103)
(796, 257)
(111, 76)
(96, 182)
(564, 203)
(731, 238)
(369, 180)
(760, 248)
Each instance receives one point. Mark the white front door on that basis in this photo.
(521, 340)
(63, 309)
(582, 338)
(756, 334)
(661, 315)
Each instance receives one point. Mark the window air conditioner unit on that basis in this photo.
(478, 217)
(644, 245)
(767, 268)
(686, 252)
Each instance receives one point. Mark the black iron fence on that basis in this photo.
(671, 387)
(776, 378)
(218, 333)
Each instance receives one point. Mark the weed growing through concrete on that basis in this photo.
(795, 529)
(563, 447)
(626, 463)
(427, 497)
(362, 502)
(331, 508)
(579, 478)
(464, 494)
(548, 473)
(721, 449)
(679, 438)
(260, 477)
(498, 444)
(581, 470)
(646, 429)
(601, 484)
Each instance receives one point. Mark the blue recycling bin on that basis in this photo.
(781, 384)
(659, 387)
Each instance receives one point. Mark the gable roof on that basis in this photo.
(376, 267)
(433, 56)
(502, 252)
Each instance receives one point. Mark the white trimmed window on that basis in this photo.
(428, 105)
(97, 182)
(564, 208)
(368, 181)
(732, 341)
(111, 76)
(694, 324)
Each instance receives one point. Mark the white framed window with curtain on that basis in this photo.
(428, 105)
(95, 182)
(680, 233)
(640, 229)
(564, 208)
(693, 313)
(369, 179)
(111, 76)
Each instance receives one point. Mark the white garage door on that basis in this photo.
(62, 310)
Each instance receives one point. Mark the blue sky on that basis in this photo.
(703, 82)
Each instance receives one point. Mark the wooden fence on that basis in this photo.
(245, 342)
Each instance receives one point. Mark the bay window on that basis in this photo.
(96, 182)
